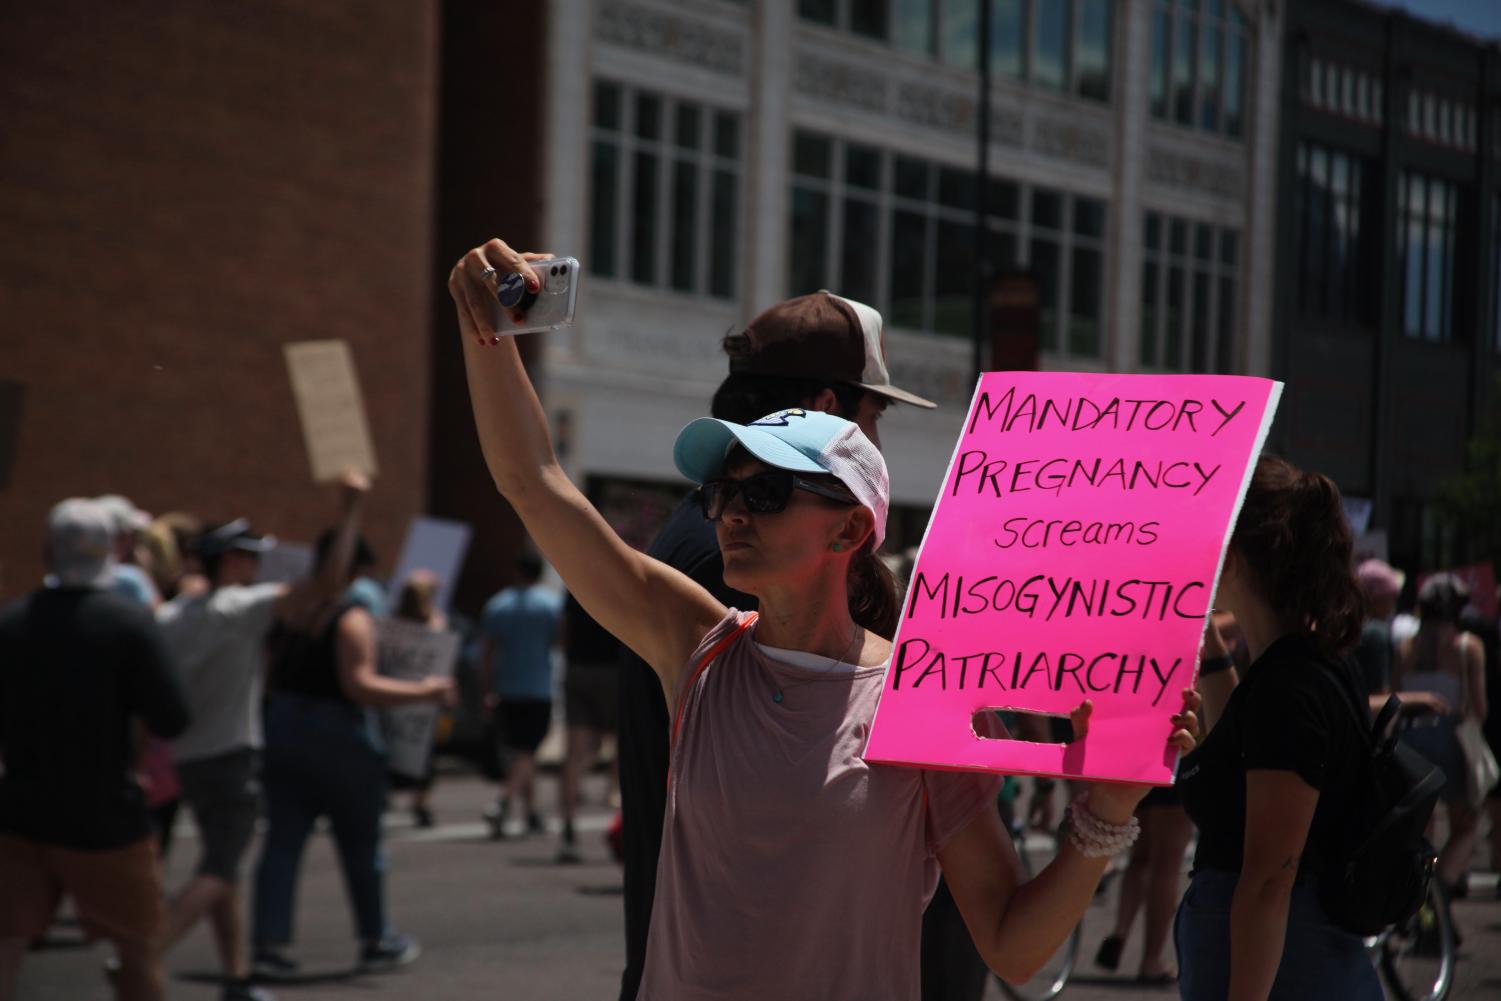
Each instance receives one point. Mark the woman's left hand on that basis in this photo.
(1114, 801)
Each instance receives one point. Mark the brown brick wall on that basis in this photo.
(185, 186)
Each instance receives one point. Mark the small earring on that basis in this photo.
(838, 547)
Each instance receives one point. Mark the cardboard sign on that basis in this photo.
(1072, 554)
(333, 414)
(410, 651)
(436, 545)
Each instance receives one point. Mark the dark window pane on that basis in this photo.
(1172, 338)
(1235, 74)
(603, 201)
(811, 155)
(857, 265)
(1177, 237)
(1204, 242)
(1438, 263)
(1225, 358)
(868, 18)
(1149, 314)
(686, 133)
(1417, 211)
(862, 167)
(1209, 76)
(1049, 51)
(908, 263)
(1008, 27)
(1200, 332)
(1151, 234)
(1004, 200)
(1183, 71)
(1340, 240)
(956, 188)
(912, 178)
(726, 135)
(961, 33)
(1047, 208)
(821, 11)
(1162, 24)
(912, 26)
(1084, 303)
(722, 235)
(1089, 217)
(954, 283)
(810, 229)
(1044, 265)
(1229, 248)
(1214, 8)
(644, 219)
(1003, 255)
(606, 106)
(684, 220)
(648, 116)
(1092, 53)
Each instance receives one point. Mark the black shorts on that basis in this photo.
(523, 723)
(591, 696)
(224, 793)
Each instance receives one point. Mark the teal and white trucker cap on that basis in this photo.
(803, 441)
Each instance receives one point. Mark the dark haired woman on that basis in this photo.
(790, 868)
(1268, 787)
(1448, 665)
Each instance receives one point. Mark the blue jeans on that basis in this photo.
(322, 759)
(1320, 960)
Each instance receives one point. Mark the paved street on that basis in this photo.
(499, 920)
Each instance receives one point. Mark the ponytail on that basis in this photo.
(872, 593)
(1294, 537)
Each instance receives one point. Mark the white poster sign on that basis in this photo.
(286, 562)
(436, 545)
(410, 651)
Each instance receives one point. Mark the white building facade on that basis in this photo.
(706, 158)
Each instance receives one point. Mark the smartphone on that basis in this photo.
(550, 307)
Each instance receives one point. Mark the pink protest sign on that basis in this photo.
(1072, 554)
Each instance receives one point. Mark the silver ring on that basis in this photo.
(487, 274)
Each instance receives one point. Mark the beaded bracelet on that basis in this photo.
(1096, 838)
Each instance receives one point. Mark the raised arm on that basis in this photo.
(652, 608)
(304, 598)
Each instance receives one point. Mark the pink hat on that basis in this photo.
(1379, 579)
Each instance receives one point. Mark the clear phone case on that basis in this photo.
(554, 302)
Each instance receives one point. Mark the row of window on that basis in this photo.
(1059, 45)
(1197, 77)
(1441, 120)
(1337, 212)
(1342, 90)
(664, 191)
(1188, 295)
(898, 233)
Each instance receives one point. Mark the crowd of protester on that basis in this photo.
(152, 669)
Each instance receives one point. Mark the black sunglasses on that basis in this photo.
(763, 493)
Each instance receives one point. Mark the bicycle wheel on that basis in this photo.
(1036, 850)
(1417, 956)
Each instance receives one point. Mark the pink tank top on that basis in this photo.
(790, 868)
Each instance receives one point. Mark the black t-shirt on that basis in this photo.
(687, 543)
(76, 666)
(1295, 711)
(585, 640)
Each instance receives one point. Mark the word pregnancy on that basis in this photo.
(1072, 555)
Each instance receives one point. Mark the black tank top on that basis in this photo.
(305, 663)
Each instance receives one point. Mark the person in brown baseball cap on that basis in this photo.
(820, 352)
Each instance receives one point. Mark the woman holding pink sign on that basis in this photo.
(1271, 787)
(790, 867)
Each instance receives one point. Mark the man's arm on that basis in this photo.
(156, 694)
(306, 596)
